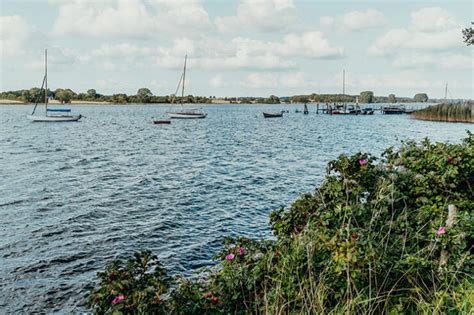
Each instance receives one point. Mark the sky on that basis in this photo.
(238, 47)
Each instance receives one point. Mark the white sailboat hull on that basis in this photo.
(38, 118)
(184, 115)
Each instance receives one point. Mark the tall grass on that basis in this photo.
(447, 112)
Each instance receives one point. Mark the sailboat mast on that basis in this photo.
(446, 91)
(344, 87)
(184, 78)
(343, 82)
(46, 80)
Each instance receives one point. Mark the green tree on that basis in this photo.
(300, 99)
(468, 35)
(392, 98)
(26, 96)
(272, 100)
(120, 98)
(91, 93)
(144, 95)
(366, 97)
(35, 94)
(421, 98)
(64, 96)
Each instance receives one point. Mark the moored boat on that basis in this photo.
(367, 111)
(51, 114)
(55, 118)
(187, 114)
(272, 115)
(191, 113)
(161, 121)
(394, 110)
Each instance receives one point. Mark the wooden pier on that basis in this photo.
(329, 108)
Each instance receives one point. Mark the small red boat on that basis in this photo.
(161, 121)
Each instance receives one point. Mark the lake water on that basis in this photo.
(73, 196)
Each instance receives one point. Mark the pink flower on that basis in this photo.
(118, 299)
(362, 162)
(242, 250)
(230, 257)
(441, 230)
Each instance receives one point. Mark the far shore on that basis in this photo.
(54, 102)
(214, 102)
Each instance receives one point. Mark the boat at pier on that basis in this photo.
(394, 110)
(367, 111)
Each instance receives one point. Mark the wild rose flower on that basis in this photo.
(441, 230)
(118, 299)
(242, 250)
(230, 257)
(362, 162)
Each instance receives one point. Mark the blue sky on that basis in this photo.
(239, 47)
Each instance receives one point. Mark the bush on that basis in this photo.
(375, 237)
(134, 287)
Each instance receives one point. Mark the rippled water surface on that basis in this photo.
(75, 195)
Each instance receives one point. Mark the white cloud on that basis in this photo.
(431, 29)
(245, 53)
(432, 19)
(123, 50)
(285, 80)
(14, 32)
(129, 18)
(59, 59)
(397, 39)
(243, 56)
(404, 79)
(354, 20)
(259, 15)
(217, 81)
(444, 61)
(310, 45)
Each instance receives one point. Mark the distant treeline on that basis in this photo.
(144, 95)
(447, 112)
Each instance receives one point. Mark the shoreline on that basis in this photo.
(53, 102)
(75, 102)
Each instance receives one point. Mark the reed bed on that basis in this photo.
(447, 112)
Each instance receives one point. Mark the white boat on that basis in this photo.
(51, 114)
(190, 113)
(54, 118)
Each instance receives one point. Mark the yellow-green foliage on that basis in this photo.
(447, 112)
(372, 239)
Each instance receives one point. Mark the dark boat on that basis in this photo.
(394, 110)
(367, 111)
(272, 115)
(161, 122)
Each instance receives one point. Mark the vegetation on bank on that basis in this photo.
(447, 112)
(145, 96)
(375, 237)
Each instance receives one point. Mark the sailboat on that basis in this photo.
(191, 113)
(51, 114)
